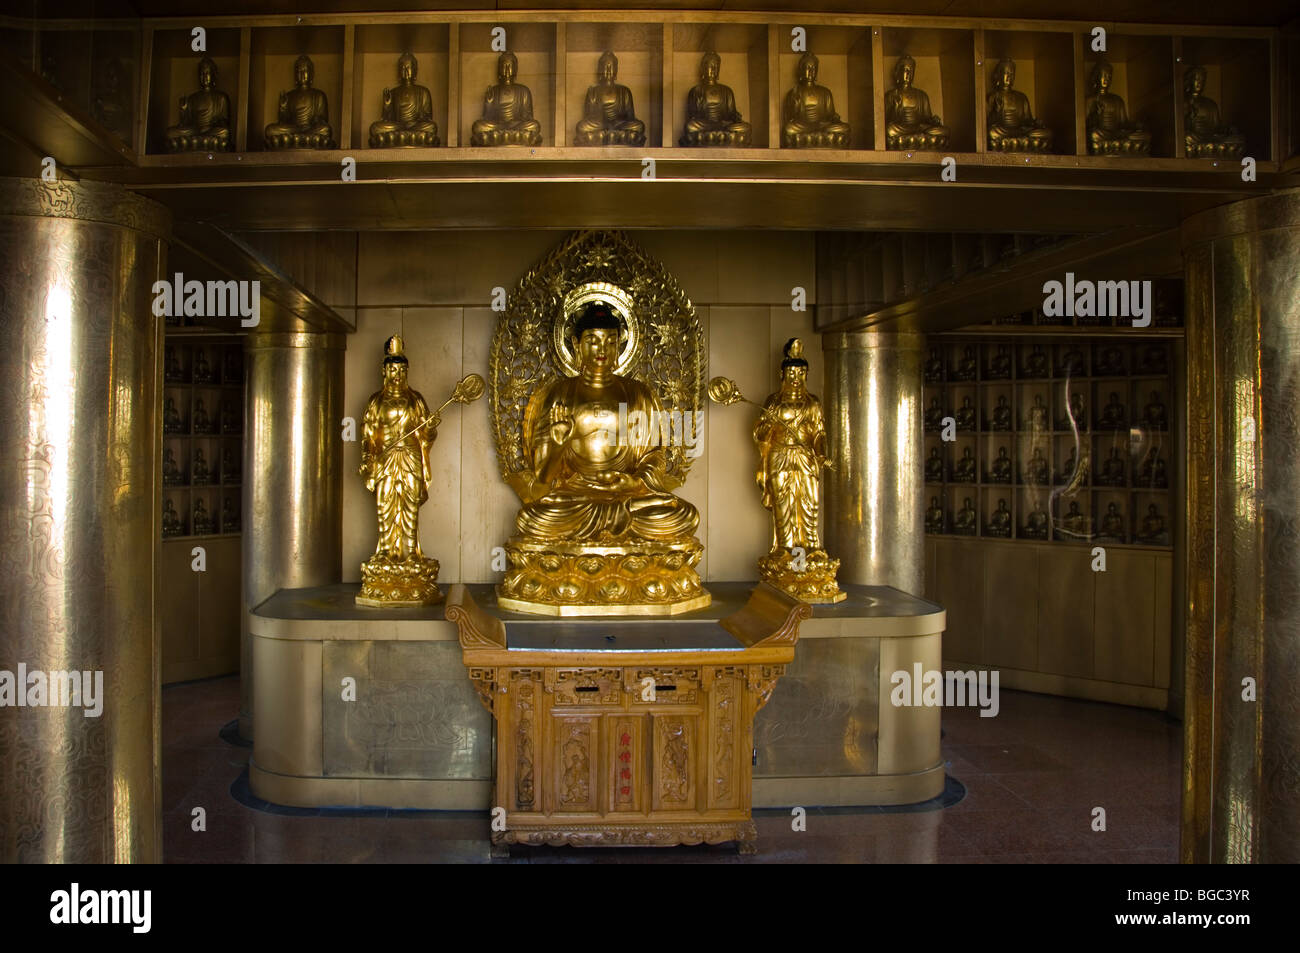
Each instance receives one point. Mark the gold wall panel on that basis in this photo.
(79, 484)
(959, 588)
(1013, 630)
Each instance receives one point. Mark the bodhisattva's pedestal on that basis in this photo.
(626, 732)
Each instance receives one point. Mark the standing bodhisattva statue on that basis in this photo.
(397, 435)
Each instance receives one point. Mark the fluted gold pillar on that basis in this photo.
(875, 519)
(293, 469)
(80, 379)
(1242, 773)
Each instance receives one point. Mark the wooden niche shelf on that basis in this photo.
(659, 54)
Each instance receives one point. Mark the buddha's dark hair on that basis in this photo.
(596, 314)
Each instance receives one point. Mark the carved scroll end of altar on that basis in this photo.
(478, 629)
(770, 618)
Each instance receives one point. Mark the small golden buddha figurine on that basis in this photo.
(963, 471)
(965, 522)
(1036, 362)
(204, 124)
(1000, 365)
(1113, 416)
(507, 111)
(966, 415)
(171, 520)
(200, 475)
(968, 366)
(1001, 472)
(1112, 470)
(303, 121)
(1110, 132)
(1011, 124)
(1076, 414)
(172, 372)
(934, 367)
(791, 439)
(1036, 524)
(934, 467)
(1002, 414)
(933, 417)
(1205, 135)
(1112, 524)
(172, 422)
(397, 436)
(608, 114)
(230, 423)
(1111, 363)
(712, 118)
(1036, 417)
(909, 122)
(934, 516)
(1154, 416)
(229, 466)
(202, 519)
(1037, 471)
(809, 119)
(202, 423)
(1075, 523)
(229, 516)
(1000, 521)
(202, 370)
(408, 111)
(172, 475)
(1153, 528)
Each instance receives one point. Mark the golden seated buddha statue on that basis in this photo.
(712, 118)
(909, 121)
(809, 119)
(1110, 132)
(594, 458)
(408, 111)
(1012, 126)
(608, 114)
(1205, 135)
(204, 124)
(303, 121)
(507, 111)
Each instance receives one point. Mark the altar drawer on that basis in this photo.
(585, 687)
(671, 686)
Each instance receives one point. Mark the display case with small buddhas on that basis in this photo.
(1079, 420)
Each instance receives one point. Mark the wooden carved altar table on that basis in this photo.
(625, 731)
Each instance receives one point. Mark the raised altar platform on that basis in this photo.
(409, 732)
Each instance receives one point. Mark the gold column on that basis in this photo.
(293, 471)
(1241, 773)
(875, 518)
(79, 497)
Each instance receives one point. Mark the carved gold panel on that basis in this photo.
(673, 774)
(574, 763)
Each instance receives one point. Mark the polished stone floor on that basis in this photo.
(1033, 776)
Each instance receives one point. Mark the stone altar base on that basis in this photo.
(569, 579)
(417, 737)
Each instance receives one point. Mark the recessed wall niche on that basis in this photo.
(176, 74)
(743, 49)
(844, 67)
(1237, 78)
(533, 45)
(375, 69)
(945, 63)
(640, 52)
(274, 51)
(1044, 73)
(1143, 76)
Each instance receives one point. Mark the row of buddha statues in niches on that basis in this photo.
(1098, 517)
(608, 114)
(1028, 359)
(195, 512)
(1120, 461)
